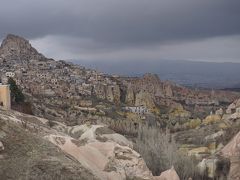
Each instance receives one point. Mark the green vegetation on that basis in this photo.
(16, 93)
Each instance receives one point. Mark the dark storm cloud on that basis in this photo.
(115, 23)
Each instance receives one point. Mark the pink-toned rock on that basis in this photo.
(232, 151)
(170, 174)
(233, 147)
(107, 156)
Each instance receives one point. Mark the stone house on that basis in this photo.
(5, 98)
(10, 74)
(141, 110)
(238, 110)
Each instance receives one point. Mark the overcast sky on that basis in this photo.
(121, 30)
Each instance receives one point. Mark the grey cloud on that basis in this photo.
(114, 23)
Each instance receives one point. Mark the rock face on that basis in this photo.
(232, 151)
(106, 154)
(144, 99)
(17, 48)
(167, 89)
(214, 168)
(87, 151)
(170, 174)
(110, 93)
(130, 98)
(1, 146)
(116, 94)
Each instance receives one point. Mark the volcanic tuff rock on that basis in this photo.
(27, 155)
(144, 99)
(130, 98)
(170, 174)
(87, 151)
(17, 48)
(232, 151)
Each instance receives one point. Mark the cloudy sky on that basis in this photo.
(122, 30)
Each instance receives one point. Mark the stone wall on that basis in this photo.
(5, 99)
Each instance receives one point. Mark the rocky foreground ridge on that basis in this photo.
(30, 149)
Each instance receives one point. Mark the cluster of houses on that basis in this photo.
(141, 110)
(54, 78)
(60, 79)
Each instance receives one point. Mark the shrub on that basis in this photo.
(16, 93)
(160, 151)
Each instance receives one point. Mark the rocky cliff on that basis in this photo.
(17, 48)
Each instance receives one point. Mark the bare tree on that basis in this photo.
(160, 151)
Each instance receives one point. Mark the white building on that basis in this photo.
(10, 74)
(238, 110)
(137, 109)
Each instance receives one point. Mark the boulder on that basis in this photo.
(107, 160)
(106, 154)
(214, 168)
(170, 174)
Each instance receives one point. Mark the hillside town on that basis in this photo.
(60, 89)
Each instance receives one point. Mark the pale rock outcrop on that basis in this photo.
(1, 146)
(108, 156)
(116, 94)
(18, 48)
(100, 91)
(214, 136)
(167, 89)
(233, 147)
(232, 107)
(130, 96)
(199, 152)
(95, 148)
(232, 151)
(109, 94)
(219, 112)
(214, 168)
(144, 99)
(170, 174)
